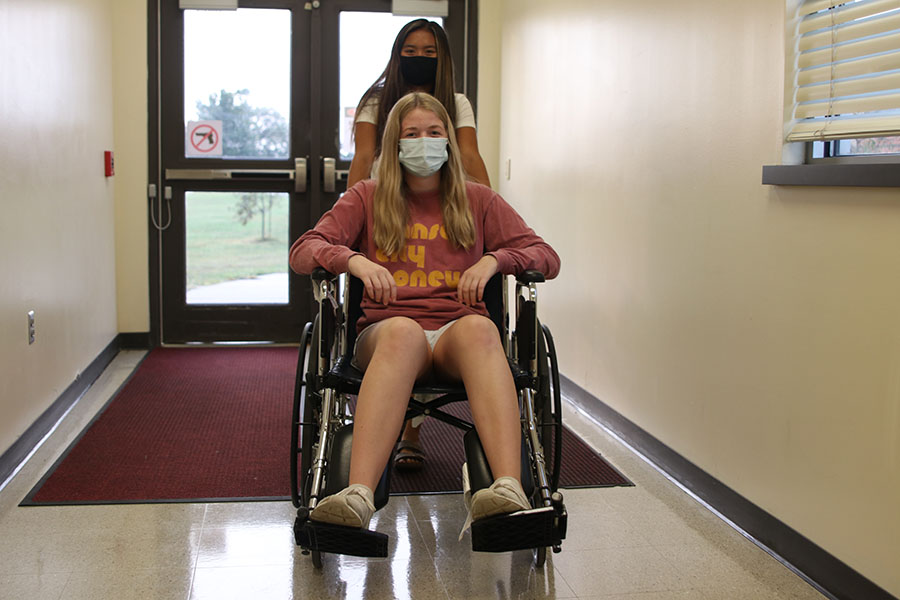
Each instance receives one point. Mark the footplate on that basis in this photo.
(337, 539)
(535, 528)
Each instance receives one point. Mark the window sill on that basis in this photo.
(853, 175)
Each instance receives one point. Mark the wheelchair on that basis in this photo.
(325, 388)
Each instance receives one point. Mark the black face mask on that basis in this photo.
(418, 70)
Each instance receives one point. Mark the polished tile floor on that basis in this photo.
(648, 542)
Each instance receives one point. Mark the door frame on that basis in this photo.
(465, 59)
(181, 322)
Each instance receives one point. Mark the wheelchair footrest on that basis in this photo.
(535, 528)
(337, 539)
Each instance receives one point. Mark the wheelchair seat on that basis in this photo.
(345, 374)
(322, 423)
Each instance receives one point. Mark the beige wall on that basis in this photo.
(753, 329)
(489, 44)
(57, 253)
(130, 122)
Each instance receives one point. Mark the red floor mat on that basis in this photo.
(213, 424)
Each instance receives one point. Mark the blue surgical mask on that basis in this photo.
(423, 156)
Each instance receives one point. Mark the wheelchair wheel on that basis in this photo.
(310, 411)
(548, 404)
(303, 431)
(300, 391)
(307, 407)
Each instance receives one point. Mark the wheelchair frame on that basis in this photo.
(322, 425)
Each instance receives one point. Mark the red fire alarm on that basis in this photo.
(108, 166)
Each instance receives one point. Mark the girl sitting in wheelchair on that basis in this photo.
(424, 242)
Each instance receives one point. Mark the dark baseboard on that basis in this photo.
(137, 340)
(827, 573)
(22, 447)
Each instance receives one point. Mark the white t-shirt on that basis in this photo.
(465, 117)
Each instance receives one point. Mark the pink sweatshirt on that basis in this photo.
(428, 269)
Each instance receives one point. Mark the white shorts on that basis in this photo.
(432, 335)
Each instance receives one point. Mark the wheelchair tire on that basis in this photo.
(549, 406)
(296, 423)
(540, 556)
(310, 405)
(306, 418)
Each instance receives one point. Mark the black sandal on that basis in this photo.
(409, 457)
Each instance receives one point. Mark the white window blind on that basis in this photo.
(846, 70)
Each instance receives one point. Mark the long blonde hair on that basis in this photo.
(391, 211)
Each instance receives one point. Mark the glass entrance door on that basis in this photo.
(255, 118)
(234, 116)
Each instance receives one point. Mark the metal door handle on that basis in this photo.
(218, 174)
(331, 175)
(300, 175)
(328, 174)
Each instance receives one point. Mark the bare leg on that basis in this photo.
(410, 458)
(470, 350)
(393, 356)
(411, 432)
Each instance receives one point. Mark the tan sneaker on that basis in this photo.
(467, 488)
(353, 506)
(504, 496)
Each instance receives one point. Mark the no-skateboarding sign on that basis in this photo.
(203, 138)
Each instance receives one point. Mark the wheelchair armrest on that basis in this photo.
(530, 276)
(320, 274)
